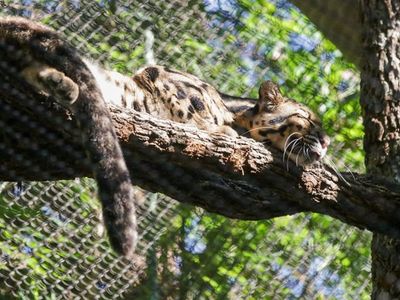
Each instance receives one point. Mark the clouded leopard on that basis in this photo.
(274, 119)
(57, 70)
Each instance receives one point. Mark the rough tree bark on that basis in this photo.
(380, 96)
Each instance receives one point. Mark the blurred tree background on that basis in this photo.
(49, 248)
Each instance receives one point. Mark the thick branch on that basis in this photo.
(235, 177)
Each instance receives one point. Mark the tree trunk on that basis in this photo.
(380, 96)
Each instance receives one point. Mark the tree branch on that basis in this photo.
(234, 177)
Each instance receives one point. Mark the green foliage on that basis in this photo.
(299, 256)
(27, 250)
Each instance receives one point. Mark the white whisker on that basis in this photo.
(290, 153)
(290, 135)
(308, 154)
(304, 152)
(286, 146)
(297, 158)
(348, 170)
(332, 165)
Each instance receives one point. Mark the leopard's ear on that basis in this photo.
(269, 96)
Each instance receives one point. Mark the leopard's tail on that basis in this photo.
(96, 128)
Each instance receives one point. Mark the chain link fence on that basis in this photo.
(52, 242)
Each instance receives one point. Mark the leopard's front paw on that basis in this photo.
(224, 129)
(58, 85)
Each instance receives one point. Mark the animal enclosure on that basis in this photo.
(52, 241)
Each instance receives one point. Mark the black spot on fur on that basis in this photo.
(216, 120)
(146, 104)
(255, 109)
(251, 124)
(127, 89)
(282, 129)
(136, 106)
(171, 111)
(123, 101)
(166, 87)
(197, 103)
(276, 120)
(237, 109)
(189, 115)
(153, 73)
(180, 94)
(191, 109)
(265, 132)
(299, 127)
(204, 85)
(180, 114)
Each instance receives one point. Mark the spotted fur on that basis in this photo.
(168, 94)
(55, 69)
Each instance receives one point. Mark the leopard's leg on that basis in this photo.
(52, 82)
(224, 129)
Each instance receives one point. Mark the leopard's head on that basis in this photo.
(285, 124)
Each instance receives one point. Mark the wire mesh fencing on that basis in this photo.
(52, 241)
